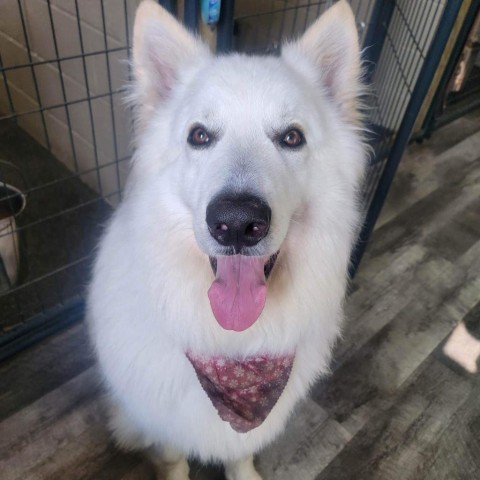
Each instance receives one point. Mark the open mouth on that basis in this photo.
(237, 295)
(267, 268)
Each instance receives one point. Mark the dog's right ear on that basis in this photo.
(161, 48)
(332, 49)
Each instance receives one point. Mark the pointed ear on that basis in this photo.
(162, 47)
(331, 46)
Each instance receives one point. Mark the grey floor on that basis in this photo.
(396, 407)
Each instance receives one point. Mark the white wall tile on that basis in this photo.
(90, 13)
(61, 145)
(96, 70)
(10, 23)
(4, 104)
(49, 85)
(38, 28)
(31, 123)
(66, 33)
(73, 75)
(123, 126)
(13, 53)
(80, 121)
(23, 81)
(102, 118)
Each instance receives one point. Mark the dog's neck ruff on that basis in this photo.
(243, 391)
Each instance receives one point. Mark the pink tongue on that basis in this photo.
(237, 296)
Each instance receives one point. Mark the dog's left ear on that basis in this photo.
(162, 49)
(331, 46)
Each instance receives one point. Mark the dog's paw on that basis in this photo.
(179, 471)
(242, 470)
(169, 464)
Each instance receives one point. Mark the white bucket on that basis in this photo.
(12, 203)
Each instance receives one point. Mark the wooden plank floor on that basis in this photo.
(396, 407)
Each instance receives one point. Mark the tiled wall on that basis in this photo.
(84, 76)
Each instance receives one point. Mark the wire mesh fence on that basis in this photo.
(64, 126)
(261, 29)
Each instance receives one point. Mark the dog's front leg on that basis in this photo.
(242, 470)
(169, 463)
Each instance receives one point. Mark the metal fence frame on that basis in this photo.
(403, 135)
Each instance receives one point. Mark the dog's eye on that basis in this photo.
(199, 137)
(293, 138)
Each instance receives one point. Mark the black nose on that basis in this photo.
(238, 220)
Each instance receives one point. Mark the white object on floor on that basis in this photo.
(463, 348)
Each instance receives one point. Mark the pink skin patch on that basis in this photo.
(237, 296)
(243, 391)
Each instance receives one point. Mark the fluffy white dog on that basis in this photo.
(218, 288)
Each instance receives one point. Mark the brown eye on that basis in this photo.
(198, 137)
(293, 138)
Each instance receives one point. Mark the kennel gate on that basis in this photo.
(64, 146)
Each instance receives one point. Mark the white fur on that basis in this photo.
(148, 299)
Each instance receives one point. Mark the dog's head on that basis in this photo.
(257, 148)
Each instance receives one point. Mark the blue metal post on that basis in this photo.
(192, 12)
(170, 5)
(225, 26)
(377, 32)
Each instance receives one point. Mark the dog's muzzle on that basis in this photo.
(237, 296)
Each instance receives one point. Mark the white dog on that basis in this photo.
(218, 289)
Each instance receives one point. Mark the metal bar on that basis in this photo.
(62, 105)
(393, 83)
(409, 28)
(112, 111)
(412, 69)
(41, 326)
(62, 85)
(282, 27)
(396, 109)
(306, 15)
(269, 31)
(47, 275)
(63, 59)
(279, 10)
(170, 5)
(127, 30)
(192, 13)
(65, 211)
(58, 286)
(394, 106)
(40, 105)
(7, 87)
(74, 175)
(421, 88)
(89, 100)
(34, 75)
(375, 37)
(225, 26)
(295, 16)
(389, 75)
